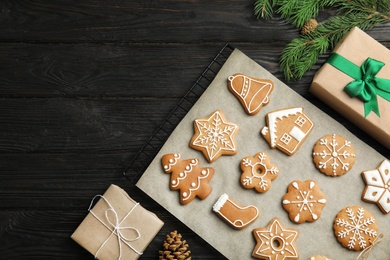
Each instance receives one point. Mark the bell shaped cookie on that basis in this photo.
(253, 93)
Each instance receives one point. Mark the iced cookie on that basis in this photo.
(287, 129)
(214, 136)
(235, 215)
(253, 93)
(355, 228)
(377, 188)
(188, 177)
(318, 257)
(275, 242)
(303, 201)
(258, 172)
(333, 155)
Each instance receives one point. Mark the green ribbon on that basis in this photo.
(366, 86)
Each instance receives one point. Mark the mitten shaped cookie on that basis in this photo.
(253, 93)
(188, 177)
(258, 172)
(235, 215)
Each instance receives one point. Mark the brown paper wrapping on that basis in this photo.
(92, 234)
(329, 82)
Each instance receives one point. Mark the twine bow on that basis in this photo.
(367, 251)
(115, 227)
(366, 85)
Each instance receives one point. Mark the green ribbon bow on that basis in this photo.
(366, 86)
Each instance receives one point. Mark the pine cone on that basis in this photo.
(309, 27)
(174, 248)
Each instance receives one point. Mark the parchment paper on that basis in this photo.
(315, 238)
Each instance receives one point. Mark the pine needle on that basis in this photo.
(302, 53)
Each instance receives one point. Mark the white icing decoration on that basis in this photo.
(220, 202)
(334, 155)
(263, 184)
(297, 133)
(196, 187)
(354, 226)
(215, 135)
(285, 248)
(272, 126)
(377, 189)
(172, 162)
(238, 223)
(306, 203)
(246, 89)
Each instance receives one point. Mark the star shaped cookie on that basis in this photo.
(275, 242)
(214, 136)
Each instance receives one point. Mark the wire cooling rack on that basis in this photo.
(144, 157)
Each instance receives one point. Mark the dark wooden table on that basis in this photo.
(84, 84)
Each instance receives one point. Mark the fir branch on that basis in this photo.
(302, 53)
(264, 8)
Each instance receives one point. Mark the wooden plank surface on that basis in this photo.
(83, 86)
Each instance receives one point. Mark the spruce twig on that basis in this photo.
(303, 52)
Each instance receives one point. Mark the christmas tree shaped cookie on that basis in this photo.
(188, 177)
(253, 93)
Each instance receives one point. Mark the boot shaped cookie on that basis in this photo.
(188, 177)
(253, 93)
(235, 215)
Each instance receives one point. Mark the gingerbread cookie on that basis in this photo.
(235, 215)
(333, 155)
(287, 129)
(377, 188)
(304, 201)
(253, 93)
(214, 136)
(275, 242)
(258, 172)
(355, 228)
(188, 177)
(318, 257)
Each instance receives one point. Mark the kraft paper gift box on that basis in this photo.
(117, 227)
(365, 101)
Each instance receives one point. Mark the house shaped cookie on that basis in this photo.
(287, 129)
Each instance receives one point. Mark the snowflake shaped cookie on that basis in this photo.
(378, 186)
(214, 136)
(333, 155)
(275, 242)
(304, 201)
(258, 172)
(355, 228)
